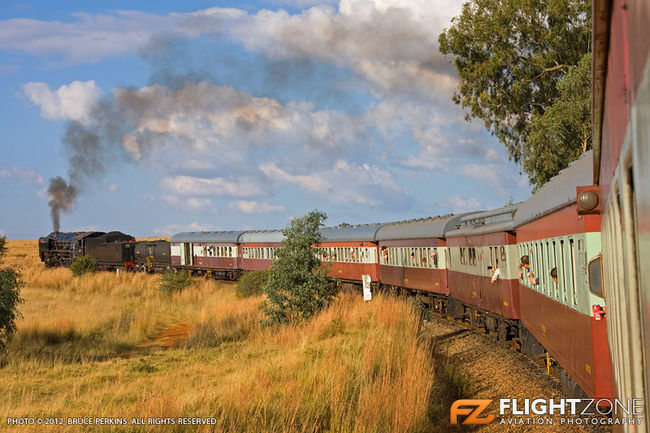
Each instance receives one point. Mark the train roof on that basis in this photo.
(73, 236)
(491, 221)
(559, 191)
(352, 233)
(261, 236)
(429, 227)
(222, 236)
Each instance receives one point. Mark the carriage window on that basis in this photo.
(549, 265)
(573, 271)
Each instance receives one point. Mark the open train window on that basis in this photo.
(595, 276)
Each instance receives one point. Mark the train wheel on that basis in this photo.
(570, 387)
(502, 331)
(529, 344)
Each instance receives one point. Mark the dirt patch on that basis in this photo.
(173, 336)
(476, 366)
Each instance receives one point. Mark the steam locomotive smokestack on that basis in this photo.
(61, 198)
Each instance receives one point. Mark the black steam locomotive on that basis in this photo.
(111, 250)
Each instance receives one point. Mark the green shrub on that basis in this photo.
(174, 281)
(84, 265)
(10, 284)
(252, 283)
(297, 287)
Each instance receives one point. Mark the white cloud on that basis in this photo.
(188, 185)
(191, 204)
(172, 229)
(73, 101)
(492, 155)
(90, 38)
(200, 205)
(491, 174)
(22, 175)
(345, 182)
(459, 204)
(499, 176)
(302, 3)
(194, 164)
(255, 207)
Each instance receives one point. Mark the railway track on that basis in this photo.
(488, 369)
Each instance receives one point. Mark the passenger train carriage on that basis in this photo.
(621, 142)
(557, 306)
(350, 252)
(485, 239)
(413, 255)
(258, 248)
(211, 253)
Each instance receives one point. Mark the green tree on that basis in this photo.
(10, 284)
(510, 56)
(563, 132)
(297, 286)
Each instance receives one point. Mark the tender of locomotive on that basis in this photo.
(413, 256)
(555, 243)
(111, 250)
(215, 254)
(484, 245)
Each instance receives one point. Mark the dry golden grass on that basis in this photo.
(87, 347)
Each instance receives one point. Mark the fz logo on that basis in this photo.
(464, 407)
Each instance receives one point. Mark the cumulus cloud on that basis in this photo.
(210, 140)
(496, 175)
(172, 229)
(255, 207)
(22, 175)
(90, 38)
(490, 174)
(344, 183)
(73, 101)
(191, 204)
(188, 185)
(459, 204)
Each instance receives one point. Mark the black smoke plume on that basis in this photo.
(85, 153)
(61, 198)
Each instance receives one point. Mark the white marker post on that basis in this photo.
(367, 294)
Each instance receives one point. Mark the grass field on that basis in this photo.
(109, 345)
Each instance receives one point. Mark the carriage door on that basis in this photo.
(186, 254)
(189, 254)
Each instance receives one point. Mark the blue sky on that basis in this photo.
(236, 115)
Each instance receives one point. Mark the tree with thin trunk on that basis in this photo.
(512, 58)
